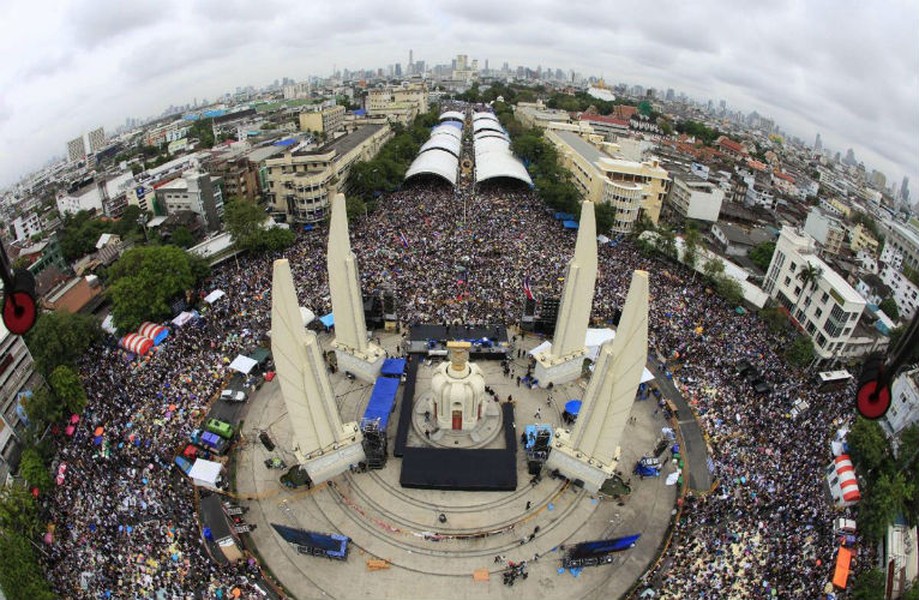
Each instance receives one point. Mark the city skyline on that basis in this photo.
(849, 72)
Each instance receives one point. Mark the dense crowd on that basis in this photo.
(124, 520)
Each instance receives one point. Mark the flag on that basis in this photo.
(403, 239)
(526, 288)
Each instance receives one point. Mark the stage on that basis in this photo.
(475, 470)
(488, 342)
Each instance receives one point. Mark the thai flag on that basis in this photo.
(403, 239)
(526, 288)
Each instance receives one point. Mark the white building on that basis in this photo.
(828, 231)
(26, 226)
(905, 293)
(905, 240)
(96, 140)
(828, 308)
(196, 191)
(693, 198)
(891, 256)
(108, 196)
(904, 405)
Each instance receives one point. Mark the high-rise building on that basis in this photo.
(96, 140)
(904, 190)
(76, 149)
(818, 143)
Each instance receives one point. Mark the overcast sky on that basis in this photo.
(849, 70)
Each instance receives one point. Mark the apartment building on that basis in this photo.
(17, 380)
(323, 120)
(861, 239)
(300, 182)
(904, 406)
(694, 198)
(827, 308)
(827, 230)
(399, 104)
(629, 186)
(904, 292)
(905, 240)
(195, 191)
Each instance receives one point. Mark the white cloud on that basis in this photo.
(849, 70)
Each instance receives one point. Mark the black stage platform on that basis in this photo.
(464, 470)
(432, 340)
(408, 404)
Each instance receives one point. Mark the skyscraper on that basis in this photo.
(818, 143)
(904, 190)
(96, 140)
(76, 149)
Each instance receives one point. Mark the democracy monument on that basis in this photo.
(421, 455)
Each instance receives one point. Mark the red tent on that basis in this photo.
(155, 332)
(137, 344)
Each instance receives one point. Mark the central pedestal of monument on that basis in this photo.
(558, 370)
(364, 364)
(322, 465)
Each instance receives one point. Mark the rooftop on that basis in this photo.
(345, 144)
(587, 151)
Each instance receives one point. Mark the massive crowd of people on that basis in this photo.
(124, 519)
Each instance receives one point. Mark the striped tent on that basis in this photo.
(137, 344)
(840, 475)
(155, 332)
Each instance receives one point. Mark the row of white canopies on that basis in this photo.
(493, 157)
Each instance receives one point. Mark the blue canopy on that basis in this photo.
(382, 400)
(561, 216)
(393, 367)
(573, 407)
(570, 224)
(308, 227)
(285, 143)
(327, 320)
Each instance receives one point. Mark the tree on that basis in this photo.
(60, 338)
(713, 268)
(34, 470)
(691, 248)
(882, 502)
(869, 585)
(42, 408)
(18, 511)
(21, 576)
(800, 352)
(246, 222)
(68, 389)
(774, 318)
(889, 306)
(808, 276)
(729, 289)
(606, 216)
(203, 130)
(182, 237)
(868, 447)
(761, 255)
(144, 281)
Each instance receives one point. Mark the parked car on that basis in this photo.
(221, 428)
(233, 395)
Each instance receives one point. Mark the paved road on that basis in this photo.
(695, 451)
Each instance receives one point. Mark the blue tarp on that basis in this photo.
(393, 367)
(327, 320)
(309, 227)
(573, 407)
(456, 124)
(333, 544)
(285, 143)
(360, 112)
(560, 216)
(382, 400)
(570, 224)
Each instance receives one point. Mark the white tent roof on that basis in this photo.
(479, 116)
(491, 144)
(183, 318)
(243, 364)
(452, 114)
(450, 130)
(442, 142)
(214, 296)
(435, 162)
(487, 125)
(498, 164)
(593, 339)
(205, 472)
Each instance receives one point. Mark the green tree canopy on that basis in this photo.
(246, 223)
(60, 338)
(21, 576)
(144, 281)
(18, 511)
(761, 255)
(34, 470)
(869, 585)
(182, 237)
(713, 267)
(889, 306)
(68, 389)
(800, 352)
(868, 447)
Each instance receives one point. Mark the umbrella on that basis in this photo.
(69, 430)
(74, 419)
(99, 431)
